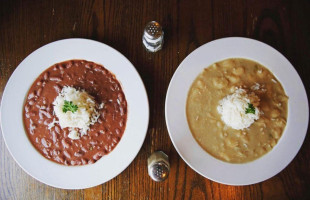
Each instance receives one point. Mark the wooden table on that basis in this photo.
(27, 25)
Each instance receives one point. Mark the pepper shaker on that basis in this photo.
(158, 166)
(153, 36)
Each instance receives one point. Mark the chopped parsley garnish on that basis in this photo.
(250, 109)
(69, 106)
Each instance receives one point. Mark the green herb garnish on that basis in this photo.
(250, 109)
(69, 106)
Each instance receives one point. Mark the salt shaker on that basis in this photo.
(158, 166)
(153, 36)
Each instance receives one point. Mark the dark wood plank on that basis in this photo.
(27, 25)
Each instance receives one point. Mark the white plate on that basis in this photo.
(203, 163)
(109, 166)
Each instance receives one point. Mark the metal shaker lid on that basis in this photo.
(153, 30)
(158, 166)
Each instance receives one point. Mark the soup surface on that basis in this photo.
(102, 137)
(212, 134)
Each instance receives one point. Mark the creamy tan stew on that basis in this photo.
(220, 80)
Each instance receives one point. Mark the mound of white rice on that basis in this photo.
(232, 109)
(79, 121)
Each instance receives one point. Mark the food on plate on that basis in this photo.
(75, 112)
(236, 110)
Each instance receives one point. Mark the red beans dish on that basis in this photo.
(102, 136)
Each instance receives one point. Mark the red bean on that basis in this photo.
(121, 111)
(59, 159)
(84, 161)
(46, 142)
(103, 115)
(79, 162)
(98, 155)
(31, 102)
(93, 142)
(91, 161)
(116, 139)
(45, 151)
(112, 88)
(57, 144)
(41, 115)
(79, 154)
(54, 136)
(69, 64)
(46, 75)
(43, 107)
(65, 162)
(120, 97)
(68, 77)
(39, 83)
(27, 107)
(46, 113)
(57, 79)
(39, 91)
(31, 131)
(84, 137)
(67, 154)
(84, 149)
(31, 95)
(116, 106)
(98, 69)
(65, 132)
(115, 86)
(117, 131)
(57, 88)
(121, 123)
(56, 152)
(33, 114)
(65, 144)
(49, 108)
(57, 129)
(47, 121)
(73, 162)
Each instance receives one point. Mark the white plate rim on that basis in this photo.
(203, 163)
(109, 166)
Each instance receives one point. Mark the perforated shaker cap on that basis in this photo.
(153, 36)
(158, 166)
(153, 30)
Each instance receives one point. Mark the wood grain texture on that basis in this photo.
(26, 25)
